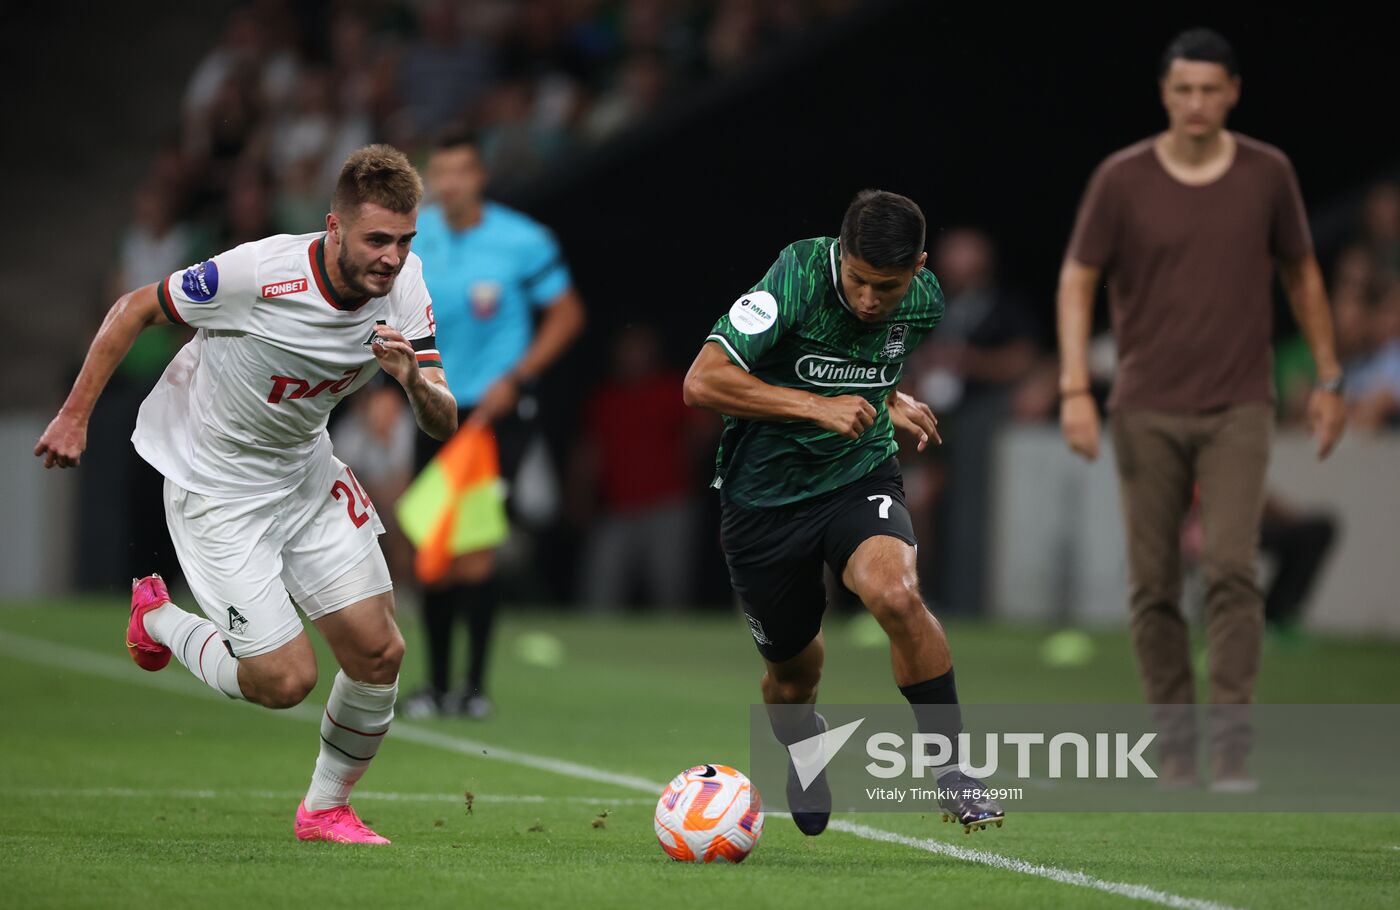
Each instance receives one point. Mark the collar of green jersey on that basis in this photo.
(835, 260)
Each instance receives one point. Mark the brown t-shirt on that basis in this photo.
(1190, 273)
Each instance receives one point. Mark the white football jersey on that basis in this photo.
(242, 409)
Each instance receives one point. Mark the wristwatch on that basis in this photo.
(1332, 386)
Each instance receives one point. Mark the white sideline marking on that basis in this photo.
(1010, 864)
(63, 657)
(378, 795)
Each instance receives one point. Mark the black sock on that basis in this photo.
(481, 603)
(439, 611)
(793, 723)
(941, 691)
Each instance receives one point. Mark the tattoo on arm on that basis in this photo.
(434, 409)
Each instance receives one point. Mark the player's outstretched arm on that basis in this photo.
(434, 406)
(716, 383)
(65, 439)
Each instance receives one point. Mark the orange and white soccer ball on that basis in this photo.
(708, 813)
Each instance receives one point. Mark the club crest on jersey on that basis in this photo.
(201, 282)
(373, 335)
(283, 288)
(894, 341)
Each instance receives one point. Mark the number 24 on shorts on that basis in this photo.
(359, 518)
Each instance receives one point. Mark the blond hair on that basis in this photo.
(379, 174)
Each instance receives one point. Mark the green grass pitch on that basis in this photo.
(125, 789)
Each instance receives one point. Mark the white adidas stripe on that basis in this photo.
(50, 654)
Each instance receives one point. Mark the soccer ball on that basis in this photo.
(709, 812)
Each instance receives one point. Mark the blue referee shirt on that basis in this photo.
(486, 283)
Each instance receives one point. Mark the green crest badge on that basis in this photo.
(894, 341)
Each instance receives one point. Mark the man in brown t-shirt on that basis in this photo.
(1187, 227)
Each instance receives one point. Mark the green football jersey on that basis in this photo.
(795, 329)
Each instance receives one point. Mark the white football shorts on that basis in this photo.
(247, 559)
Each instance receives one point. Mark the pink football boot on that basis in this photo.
(146, 594)
(339, 825)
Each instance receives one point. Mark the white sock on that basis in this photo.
(196, 644)
(356, 719)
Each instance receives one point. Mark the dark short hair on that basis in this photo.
(884, 229)
(457, 137)
(1202, 44)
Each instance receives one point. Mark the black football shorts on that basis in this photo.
(775, 555)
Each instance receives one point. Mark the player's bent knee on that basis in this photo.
(797, 692)
(281, 678)
(794, 691)
(379, 664)
(391, 658)
(792, 684)
(286, 690)
(287, 695)
(898, 604)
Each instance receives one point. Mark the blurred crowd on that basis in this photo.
(289, 89)
(1364, 287)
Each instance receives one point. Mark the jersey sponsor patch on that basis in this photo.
(201, 282)
(754, 312)
(291, 388)
(283, 288)
(838, 372)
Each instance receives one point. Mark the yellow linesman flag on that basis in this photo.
(457, 505)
